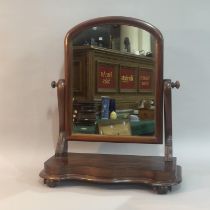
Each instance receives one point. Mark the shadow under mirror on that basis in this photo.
(114, 81)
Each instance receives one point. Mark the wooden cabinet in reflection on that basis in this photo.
(124, 76)
(146, 114)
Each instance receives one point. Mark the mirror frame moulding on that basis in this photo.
(155, 139)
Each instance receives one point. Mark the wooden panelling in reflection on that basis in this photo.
(110, 72)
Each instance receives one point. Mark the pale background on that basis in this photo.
(31, 56)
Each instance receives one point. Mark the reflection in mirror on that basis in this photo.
(113, 80)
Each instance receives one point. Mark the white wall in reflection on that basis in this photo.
(140, 40)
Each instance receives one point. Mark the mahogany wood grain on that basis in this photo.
(107, 168)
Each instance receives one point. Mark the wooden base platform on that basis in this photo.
(104, 168)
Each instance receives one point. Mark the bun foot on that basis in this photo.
(50, 183)
(162, 189)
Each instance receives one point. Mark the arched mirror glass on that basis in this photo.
(114, 75)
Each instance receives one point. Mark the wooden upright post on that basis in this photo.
(62, 144)
(168, 117)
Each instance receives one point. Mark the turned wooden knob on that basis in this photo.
(54, 84)
(175, 84)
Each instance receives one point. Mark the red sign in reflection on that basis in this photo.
(128, 78)
(145, 80)
(106, 76)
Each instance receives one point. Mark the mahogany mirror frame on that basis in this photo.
(158, 137)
